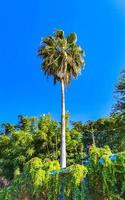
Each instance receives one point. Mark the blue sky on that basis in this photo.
(100, 26)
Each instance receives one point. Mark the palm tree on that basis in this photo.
(62, 59)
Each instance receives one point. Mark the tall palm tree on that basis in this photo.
(62, 59)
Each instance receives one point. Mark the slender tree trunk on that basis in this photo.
(63, 128)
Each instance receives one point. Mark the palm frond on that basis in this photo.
(72, 38)
(59, 34)
(62, 57)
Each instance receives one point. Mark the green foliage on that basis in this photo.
(33, 170)
(7, 128)
(74, 146)
(105, 175)
(41, 140)
(6, 194)
(15, 152)
(39, 182)
(106, 131)
(119, 107)
(68, 182)
(103, 178)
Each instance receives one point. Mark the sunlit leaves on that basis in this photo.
(61, 57)
(42, 139)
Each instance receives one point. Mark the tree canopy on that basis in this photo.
(36, 137)
(62, 56)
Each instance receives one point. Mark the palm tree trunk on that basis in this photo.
(63, 128)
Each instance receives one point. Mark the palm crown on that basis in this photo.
(62, 57)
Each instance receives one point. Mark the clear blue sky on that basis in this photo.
(100, 26)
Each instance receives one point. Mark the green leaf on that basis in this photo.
(72, 38)
(59, 33)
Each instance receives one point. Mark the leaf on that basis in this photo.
(59, 33)
(72, 38)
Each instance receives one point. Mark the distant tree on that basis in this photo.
(7, 128)
(24, 123)
(47, 138)
(62, 59)
(105, 131)
(15, 150)
(28, 124)
(119, 107)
